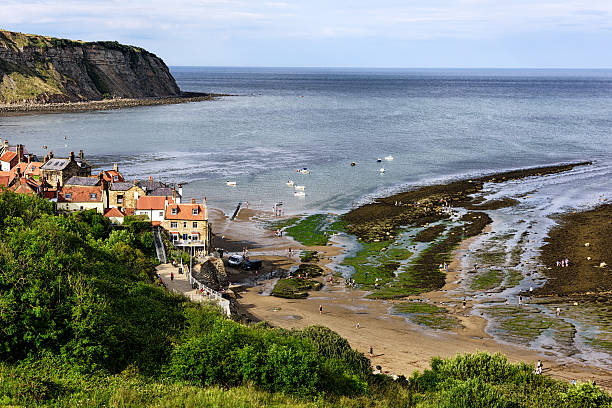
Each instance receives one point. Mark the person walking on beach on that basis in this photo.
(539, 367)
(171, 276)
(558, 311)
(371, 352)
(320, 309)
(357, 325)
(520, 300)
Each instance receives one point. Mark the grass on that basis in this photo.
(488, 280)
(370, 262)
(294, 288)
(280, 224)
(426, 314)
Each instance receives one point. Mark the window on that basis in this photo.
(175, 237)
(115, 178)
(194, 211)
(174, 211)
(195, 237)
(93, 196)
(174, 224)
(184, 224)
(119, 199)
(185, 237)
(68, 196)
(161, 213)
(195, 224)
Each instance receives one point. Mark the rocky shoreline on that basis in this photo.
(106, 104)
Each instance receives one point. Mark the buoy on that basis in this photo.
(353, 164)
(382, 170)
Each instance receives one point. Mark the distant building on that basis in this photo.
(112, 176)
(115, 216)
(187, 225)
(58, 170)
(153, 207)
(123, 195)
(10, 159)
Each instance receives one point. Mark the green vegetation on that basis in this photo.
(85, 323)
(427, 315)
(294, 288)
(487, 280)
(309, 270)
(430, 234)
(315, 230)
(309, 256)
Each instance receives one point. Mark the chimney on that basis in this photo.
(193, 201)
(6, 145)
(180, 190)
(135, 182)
(166, 203)
(81, 155)
(71, 157)
(51, 154)
(19, 153)
(116, 167)
(174, 195)
(150, 178)
(29, 158)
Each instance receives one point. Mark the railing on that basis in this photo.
(188, 242)
(159, 245)
(208, 292)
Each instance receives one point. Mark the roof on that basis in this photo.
(55, 164)
(152, 202)
(26, 186)
(128, 211)
(113, 212)
(14, 149)
(82, 181)
(185, 212)
(149, 185)
(82, 163)
(5, 177)
(162, 191)
(109, 175)
(156, 223)
(121, 186)
(80, 194)
(8, 156)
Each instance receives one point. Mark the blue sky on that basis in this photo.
(343, 33)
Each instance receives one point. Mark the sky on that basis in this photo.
(342, 33)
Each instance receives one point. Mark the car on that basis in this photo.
(235, 260)
(252, 264)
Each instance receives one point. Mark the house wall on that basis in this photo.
(154, 215)
(98, 206)
(128, 197)
(202, 228)
(53, 176)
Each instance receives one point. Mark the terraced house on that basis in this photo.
(79, 198)
(187, 225)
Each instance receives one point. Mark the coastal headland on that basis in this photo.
(400, 302)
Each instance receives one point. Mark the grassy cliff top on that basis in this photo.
(18, 41)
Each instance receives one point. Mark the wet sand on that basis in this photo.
(400, 347)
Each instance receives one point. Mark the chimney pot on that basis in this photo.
(29, 158)
(116, 167)
(51, 154)
(193, 201)
(81, 155)
(150, 178)
(135, 182)
(71, 156)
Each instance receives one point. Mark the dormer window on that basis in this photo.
(174, 211)
(115, 178)
(194, 211)
(93, 196)
(68, 196)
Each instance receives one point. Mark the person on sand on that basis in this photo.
(539, 367)
(171, 276)
(320, 309)
(371, 352)
(558, 311)
(520, 300)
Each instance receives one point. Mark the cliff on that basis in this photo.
(38, 69)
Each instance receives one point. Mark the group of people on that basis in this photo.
(563, 263)
(443, 267)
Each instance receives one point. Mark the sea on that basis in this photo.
(437, 124)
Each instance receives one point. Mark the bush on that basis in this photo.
(586, 395)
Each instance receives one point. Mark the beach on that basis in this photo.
(400, 346)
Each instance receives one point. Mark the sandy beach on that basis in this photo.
(399, 346)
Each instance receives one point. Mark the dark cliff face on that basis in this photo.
(43, 69)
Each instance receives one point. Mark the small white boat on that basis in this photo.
(303, 171)
(299, 194)
(231, 183)
(378, 160)
(290, 183)
(388, 158)
(300, 188)
(381, 170)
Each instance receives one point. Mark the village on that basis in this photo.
(69, 182)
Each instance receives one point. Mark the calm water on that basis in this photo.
(437, 124)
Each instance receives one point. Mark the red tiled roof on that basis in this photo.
(80, 194)
(156, 223)
(113, 212)
(152, 202)
(109, 175)
(25, 187)
(128, 211)
(5, 177)
(49, 194)
(8, 156)
(185, 212)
